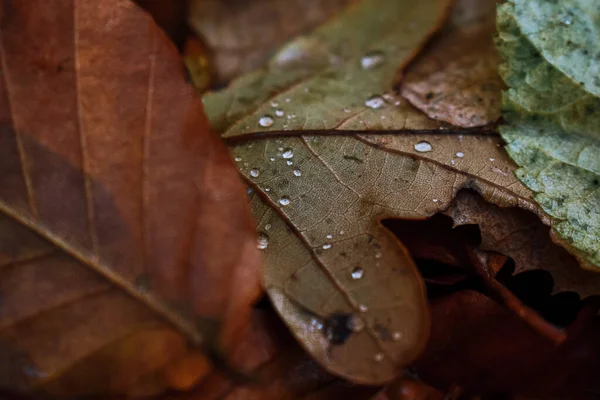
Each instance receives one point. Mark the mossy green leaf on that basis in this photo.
(553, 112)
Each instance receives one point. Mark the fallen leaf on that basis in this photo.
(126, 241)
(242, 35)
(309, 136)
(520, 235)
(487, 350)
(170, 15)
(552, 113)
(456, 78)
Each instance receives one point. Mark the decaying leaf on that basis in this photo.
(456, 78)
(549, 53)
(328, 151)
(485, 349)
(125, 237)
(520, 235)
(243, 34)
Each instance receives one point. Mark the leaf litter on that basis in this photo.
(328, 150)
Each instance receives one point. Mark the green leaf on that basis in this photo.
(553, 112)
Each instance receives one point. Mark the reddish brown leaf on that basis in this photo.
(456, 79)
(484, 348)
(124, 226)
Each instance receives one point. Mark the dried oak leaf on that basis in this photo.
(328, 152)
(125, 241)
(521, 235)
(243, 34)
(456, 78)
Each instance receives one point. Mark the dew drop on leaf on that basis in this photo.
(460, 154)
(372, 59)
(262, 241)
(297, 172)
(284, 201)
(266, 121)
(326, 246)
(279, 112)
(423, 147)
(357, 273)
(288, 153)
(254, 172)
(375, 102)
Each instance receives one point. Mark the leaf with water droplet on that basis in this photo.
(357, 173)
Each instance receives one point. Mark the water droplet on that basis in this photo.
(378, 255)
(262, 241)
(266, 121)
(375, 102)
(267, 189)
(279, 113)
(357, 273)
(435, 200)
(280, 148)
(272, 158)
(423, 146)
(288, 153)
(452, 162)
(288, 162)
(460, 154)
(372, 59)
(250, 191)
(326, 246)
(267, 227)
(363, 308)
(297, 172)
(355, 323)
(274, 104)
(346, 110)
(342, 232)
(378, 357)
(287, 100)
(315, 325)
(330, 236)
(284, 201)
(238, 159)
(492, 159)
(397, 336)
(254, 172)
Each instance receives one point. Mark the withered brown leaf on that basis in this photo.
(456, 79)
(125, 238)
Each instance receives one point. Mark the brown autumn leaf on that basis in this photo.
(170, 15)
(282, 369)
(456, 79)
(243, 34)
(328, 152)
(126, 246)
(486, 350)
(521, 235)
